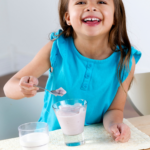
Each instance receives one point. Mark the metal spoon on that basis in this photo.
(58, 92)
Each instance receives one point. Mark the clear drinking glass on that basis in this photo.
(71, 116)
(34, 136)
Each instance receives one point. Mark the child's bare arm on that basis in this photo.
(16, 87)
(113, 118)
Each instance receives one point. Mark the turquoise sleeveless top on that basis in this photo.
(84, 78)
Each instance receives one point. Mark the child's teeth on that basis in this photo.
(91, 19)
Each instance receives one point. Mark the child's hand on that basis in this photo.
(120, 132)
(26, 86)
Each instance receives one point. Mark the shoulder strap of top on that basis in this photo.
(53, 35)
(55, 48)
(59, 47)
(137, 55)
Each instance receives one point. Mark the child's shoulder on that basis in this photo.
(55, 35)
(135, 53)
(58, 36)
(60, 45)
(59, 39)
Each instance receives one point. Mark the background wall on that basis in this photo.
(25, 26)
(138, 26)
(24, 29)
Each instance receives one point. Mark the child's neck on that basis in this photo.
(94, 48)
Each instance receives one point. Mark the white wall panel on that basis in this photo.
(138, 26)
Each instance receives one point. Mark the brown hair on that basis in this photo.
(118, 38)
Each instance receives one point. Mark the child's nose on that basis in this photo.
(90, 8)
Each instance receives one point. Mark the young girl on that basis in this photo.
(91, 58)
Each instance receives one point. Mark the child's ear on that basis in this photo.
(67, 18)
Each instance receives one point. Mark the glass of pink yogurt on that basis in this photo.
(71, 117)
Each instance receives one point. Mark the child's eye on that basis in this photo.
(80, 3)
(101, 2)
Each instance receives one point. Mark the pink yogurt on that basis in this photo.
(71, 119)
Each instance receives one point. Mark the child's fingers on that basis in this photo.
(125, 130)
(121, 132)
(128, 138)
(24, 80)
(27, 83)
(27, 86)
(115, 131)
(24, 83)
(28, 93)
(123, 139)
(33, 80)
(125, 133)
(27, 89)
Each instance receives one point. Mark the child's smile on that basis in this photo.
(91, 20)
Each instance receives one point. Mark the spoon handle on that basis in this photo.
(41, 88)
(54, 92)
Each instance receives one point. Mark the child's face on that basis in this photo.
(102, 9)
